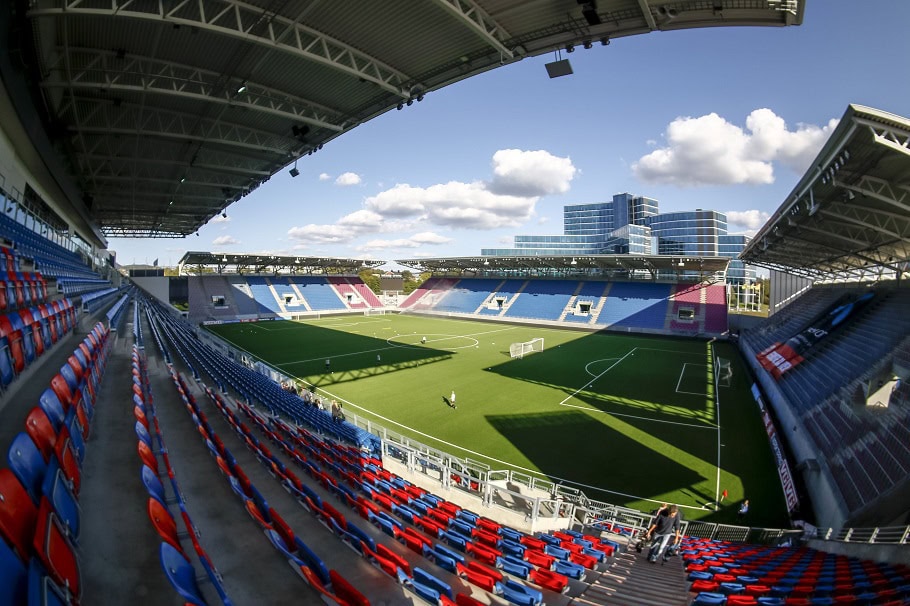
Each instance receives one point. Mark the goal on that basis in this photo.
(379, 311)
(723, 372)
(519, 350)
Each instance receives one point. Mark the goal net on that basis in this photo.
(374, 312)
(519, 350)
(723, 372)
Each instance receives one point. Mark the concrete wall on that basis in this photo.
(158, 287)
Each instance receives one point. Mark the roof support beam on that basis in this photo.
(106, 118)
(646, 13)
(250, 24)
(105, 70)
(881, 190)
(480, 23)
(896, 139)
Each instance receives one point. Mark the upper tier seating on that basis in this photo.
(466, 295)
(543, 299)
(318, 293)
(504, 293)
(636, 305)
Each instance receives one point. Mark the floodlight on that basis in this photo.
(587, 45)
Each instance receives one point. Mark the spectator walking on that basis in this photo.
(664, 527)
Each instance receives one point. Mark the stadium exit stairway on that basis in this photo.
(632, 580)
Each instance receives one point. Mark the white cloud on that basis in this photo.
(530, 173)
(709, 150)
(324, 176)
(415, 241)
(454, 204)
(520, 179)
(347, 179)
(543, 220)
(746, 221)
(220, 219)
(225, 241)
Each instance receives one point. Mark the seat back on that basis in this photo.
(42, 431)
(153, 484)
(57, 494)
(345, 591)
(164, 523)
(26, 461)
(56, 552)
(7, 368)
(147, 456)
(180, 573)
(17, 514)
(42, 589)
(12, 576)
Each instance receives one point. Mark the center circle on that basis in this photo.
(594, 364)
(434, 341)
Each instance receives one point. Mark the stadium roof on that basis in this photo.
(568, 264)
(848, 218)
(163, 112)
(255, 264)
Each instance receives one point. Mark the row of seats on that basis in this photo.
(26, 334)
(722, 572)
(39, 488)
(475, 548)
(472, 553)
(97, 299)
(51, 259)
(174, 559)
(22, 289)
(301, 557)
(332, 466)
(252, 385)
(641, 305)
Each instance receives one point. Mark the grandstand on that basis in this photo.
(147, 461)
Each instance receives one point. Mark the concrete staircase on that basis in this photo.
(632, 580)
(512, 299)
(489, 299)
(595, 312)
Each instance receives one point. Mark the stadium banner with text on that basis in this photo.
(781, 357)
(237, 321)
(783, 468)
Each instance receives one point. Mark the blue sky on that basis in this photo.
(722, 118)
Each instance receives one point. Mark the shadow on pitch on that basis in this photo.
(573, 446)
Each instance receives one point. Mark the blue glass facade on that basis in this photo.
(631, 224)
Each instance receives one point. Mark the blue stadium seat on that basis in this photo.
(425, 578)
(42, 590)
(181, 575)
(12, 577)
(518, 593)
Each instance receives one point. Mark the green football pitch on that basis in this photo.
(628, 419)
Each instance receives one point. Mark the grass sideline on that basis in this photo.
(630, 419)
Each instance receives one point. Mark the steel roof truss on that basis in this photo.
(250, 24)
(892, 137)
(480, 23)
(882, 190)
(105, 70)
(889, 224)
(136, 120)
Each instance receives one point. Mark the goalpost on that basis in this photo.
(518, 350)
(722, 372)
(379, 311)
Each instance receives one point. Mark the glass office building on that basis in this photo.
(630, 224)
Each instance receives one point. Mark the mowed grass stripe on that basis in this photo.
(510, 410)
